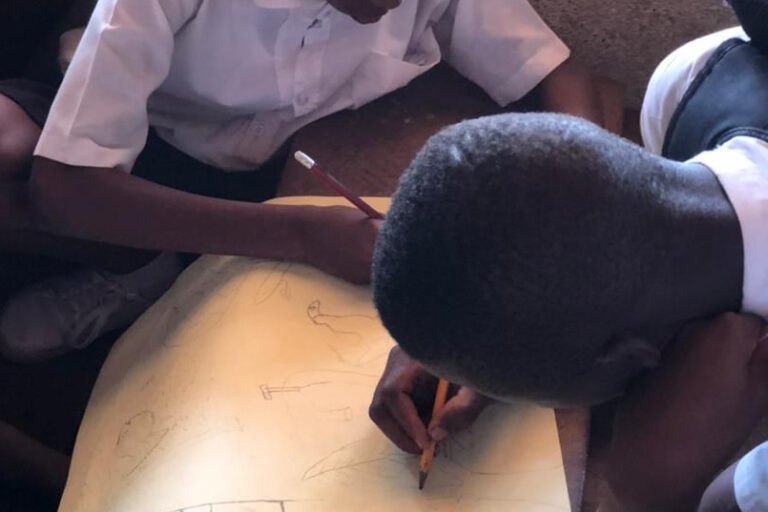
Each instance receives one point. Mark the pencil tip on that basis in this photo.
(422, 479)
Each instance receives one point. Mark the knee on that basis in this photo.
(18, 137)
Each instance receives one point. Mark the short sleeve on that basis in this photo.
(671, 80)
(502, 45)
(99, 117)
(750, 481)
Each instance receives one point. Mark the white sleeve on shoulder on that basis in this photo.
(750, 482)
(502, 45)
(99, 116)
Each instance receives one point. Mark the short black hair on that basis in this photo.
(753, 16)
(516, 244)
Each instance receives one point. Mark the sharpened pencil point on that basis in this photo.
(422, 479)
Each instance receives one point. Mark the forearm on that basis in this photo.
(659, 472)
(109, 206)
(720, 495)
(571, 89)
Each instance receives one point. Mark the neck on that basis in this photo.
(703, 265)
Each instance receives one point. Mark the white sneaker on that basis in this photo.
(69, 312)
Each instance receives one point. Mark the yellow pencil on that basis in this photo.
(429, 452)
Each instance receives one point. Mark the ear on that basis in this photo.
(630, 351)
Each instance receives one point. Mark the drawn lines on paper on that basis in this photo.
(275, 282)
(139, 438)
(222, 506)
(268, 392)
(210, 295)
(372, 461)
(348, 342)
(346, 457)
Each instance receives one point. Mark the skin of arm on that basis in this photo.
(107, 205)
(570, 89)
(720, 495)
(679, 425)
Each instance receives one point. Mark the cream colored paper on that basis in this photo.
(246, 388)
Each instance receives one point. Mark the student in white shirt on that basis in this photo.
(703, 406)
(201, 97)
(577, 257)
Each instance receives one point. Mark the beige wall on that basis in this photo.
(626, 39)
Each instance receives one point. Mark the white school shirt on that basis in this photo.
(750, 481)
(741, 166)
(229, 81)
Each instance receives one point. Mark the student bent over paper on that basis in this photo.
(539, 256)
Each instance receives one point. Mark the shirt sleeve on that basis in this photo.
(741, 167)
(751, 480)
(501, 45)
(671, 80)
(99, 117)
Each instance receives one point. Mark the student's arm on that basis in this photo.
(571, 89)
(97, 127)
(679, 426)
(108, 205)
(505, 47)
(743, 487)
(720, 495)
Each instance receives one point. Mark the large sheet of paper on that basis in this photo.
(246, 389)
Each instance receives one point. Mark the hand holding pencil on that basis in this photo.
(405, 398)
(338, 239)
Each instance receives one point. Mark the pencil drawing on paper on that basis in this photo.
(237, 506)
(348, 342)
(322, 397)
(288, 406)
(273, 283)
(216, 291)
(138, 439)
(355, 456)
(268, 392)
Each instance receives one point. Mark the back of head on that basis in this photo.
(516, 246)
(753, 16)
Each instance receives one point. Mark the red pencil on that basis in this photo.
(336, 185)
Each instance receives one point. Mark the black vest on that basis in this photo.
(728, 98)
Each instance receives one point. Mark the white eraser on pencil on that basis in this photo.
(304, 159)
